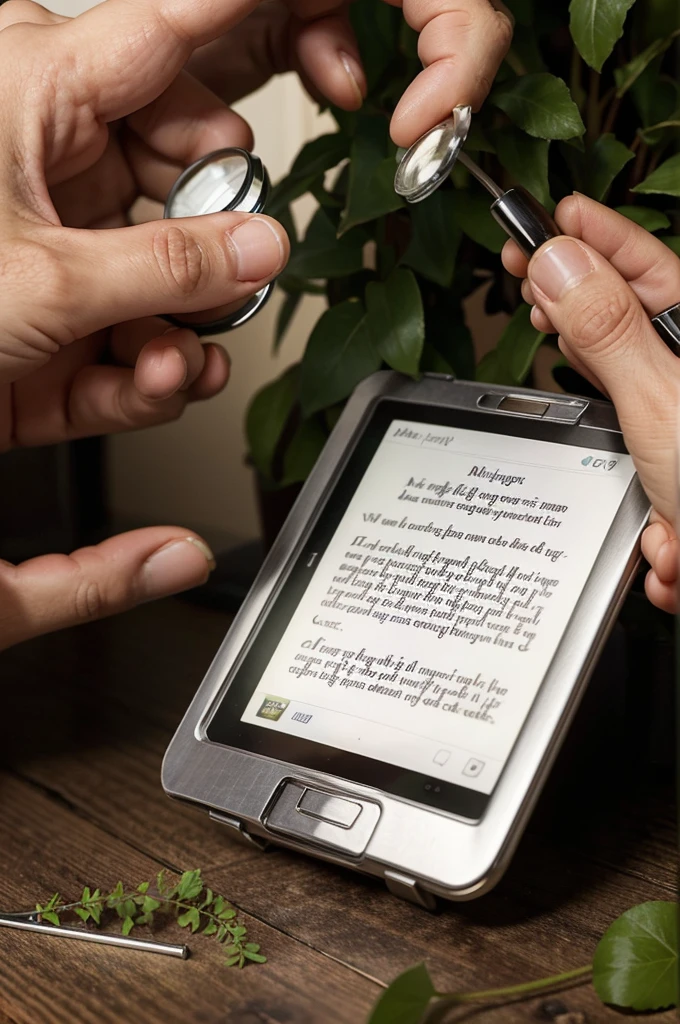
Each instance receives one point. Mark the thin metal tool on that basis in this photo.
(28, 923)
(428, 164)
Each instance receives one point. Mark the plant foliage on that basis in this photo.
(187, 898)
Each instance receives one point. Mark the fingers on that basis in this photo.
(56, 591)
(662, 595)
(162, 267)
(187, 121)
(461, 45)
(177, 362)
(649, 266)
(604, 324)
(328, 59)
(660, 548)
(147, 44)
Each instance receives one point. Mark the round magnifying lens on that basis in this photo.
(430, 160)
(228, 179)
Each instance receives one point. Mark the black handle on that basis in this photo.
(524, 219)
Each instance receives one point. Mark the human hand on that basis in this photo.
(462, 44)
(598, 289)
(98, 110)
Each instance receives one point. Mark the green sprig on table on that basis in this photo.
(194, 905)
(635, 967)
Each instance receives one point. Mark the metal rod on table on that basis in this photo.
(104, 938)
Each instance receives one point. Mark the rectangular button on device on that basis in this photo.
(300, 811)
(329, 808)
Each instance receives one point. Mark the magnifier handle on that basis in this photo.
(524, 219)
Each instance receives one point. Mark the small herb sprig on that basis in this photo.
(193, 904)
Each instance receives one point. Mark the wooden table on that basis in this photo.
(86, 716)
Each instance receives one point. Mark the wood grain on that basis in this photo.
(93, 711)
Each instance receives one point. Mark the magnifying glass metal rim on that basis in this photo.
(256, 175)
(459, 123)
(239, 317)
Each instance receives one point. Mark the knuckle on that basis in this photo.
(504, 30)
(605, 319)
(88, 600)
(180, 259)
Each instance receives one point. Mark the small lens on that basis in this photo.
(212, 187)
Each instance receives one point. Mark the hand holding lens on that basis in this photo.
(429, 162)
(226, 180)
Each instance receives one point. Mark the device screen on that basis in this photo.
(415, 628)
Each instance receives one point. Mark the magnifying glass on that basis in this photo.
(228, 179)
(429, 162)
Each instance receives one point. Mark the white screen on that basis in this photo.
(433, 614)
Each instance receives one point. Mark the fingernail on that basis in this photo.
(559, 267)
(354, 72)
(259, 252)
(179, 565)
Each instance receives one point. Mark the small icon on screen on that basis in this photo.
(441, 757)
(272, 708)
(473, 767)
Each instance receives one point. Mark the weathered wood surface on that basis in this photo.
(87, 716)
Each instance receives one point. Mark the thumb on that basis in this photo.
(602, 321)
(56, 591)
(91, 279)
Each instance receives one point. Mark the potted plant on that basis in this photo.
(586, 100)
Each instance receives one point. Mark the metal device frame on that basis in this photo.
(420, 852)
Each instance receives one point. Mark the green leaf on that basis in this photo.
(626, 76)
(128, 925)
(370, 192)
(510, 361)
(526, 160)
(636, 961)
(313, 160)
(83, 914)
(395, 321)
(656, 96)
(227, 914)
(232, 961)
(338, 356)
(252, 947)
(652, 220)
(49, 915)
(604, 160)
(434, 243)
(190, 918)
(190, 885)
(150, 904)
(596, 26)
(377, 31)
(323, 255)
(266, 418)
(406, 999)
(95, 912)
(540, 105)
(473, 215)
(86, 897)
(210, 928)
(673, 243)
(285, 315)
(143, 887)
(220, 901)
(665, 180)
(299, 458)
(255, 957)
